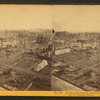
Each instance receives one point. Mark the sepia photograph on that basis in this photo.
(49, 48)
(76, 64)
(25, 48)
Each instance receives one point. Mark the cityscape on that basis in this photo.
(39, 59)
(49, 48)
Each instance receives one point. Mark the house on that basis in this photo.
(62, 51)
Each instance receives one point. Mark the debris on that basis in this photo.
(41, 65)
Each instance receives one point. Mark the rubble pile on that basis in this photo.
(13, 80)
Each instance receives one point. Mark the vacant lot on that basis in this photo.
(25, 64)
(12, 59)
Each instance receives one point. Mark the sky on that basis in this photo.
(76, 18)
(25, 17)
(71, 18)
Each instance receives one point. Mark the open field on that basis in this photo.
(26, 63)
(12, 59)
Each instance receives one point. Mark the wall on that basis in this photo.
(61, 85)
